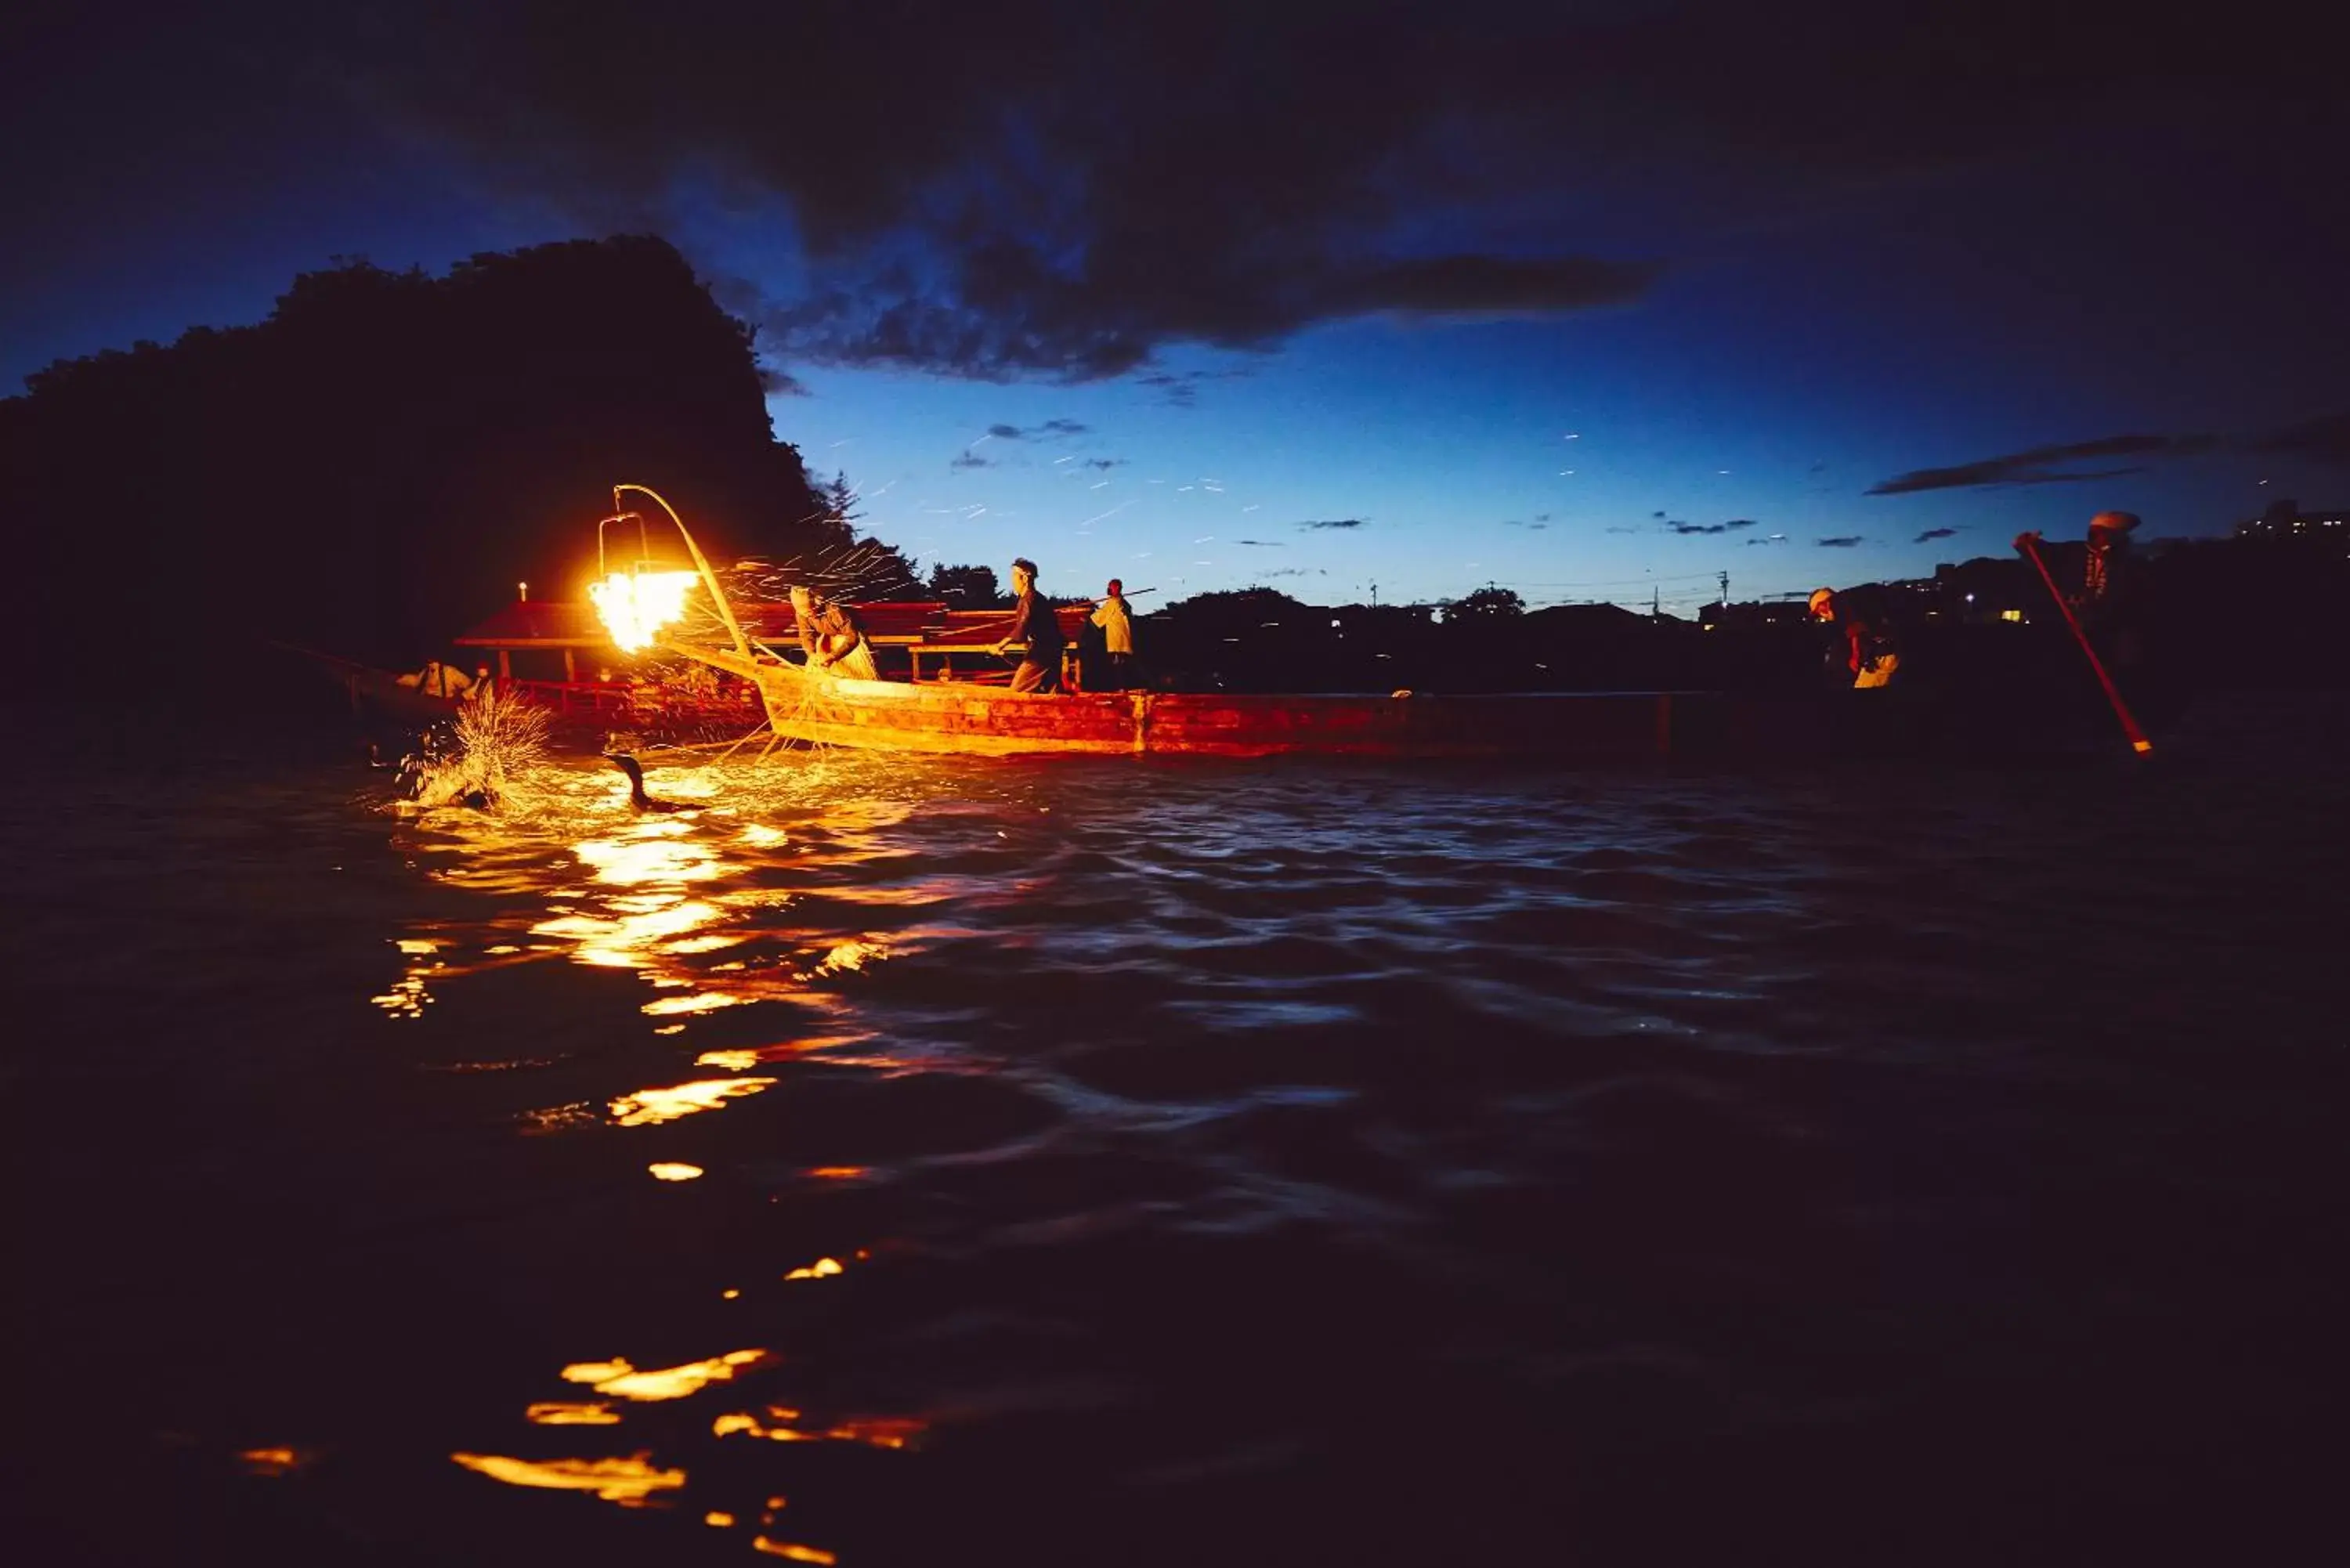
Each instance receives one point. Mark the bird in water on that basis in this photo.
(638, 798)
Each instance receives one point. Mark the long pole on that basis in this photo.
(2138, 742)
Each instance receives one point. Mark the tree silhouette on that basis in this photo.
(967, 588)
(373, 467)
(1488, 603)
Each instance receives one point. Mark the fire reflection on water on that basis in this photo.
(712, 913)
(632, 1482)
(622, 1381)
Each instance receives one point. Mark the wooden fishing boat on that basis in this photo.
(972, 718)
(988, 720)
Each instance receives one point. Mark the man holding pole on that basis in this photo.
(2099, 606)
(1033, 623)
(1115, 616)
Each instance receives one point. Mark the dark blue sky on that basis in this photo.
(1582, 300)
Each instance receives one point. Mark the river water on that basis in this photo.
(920, 1161)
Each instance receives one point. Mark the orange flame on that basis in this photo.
(635, 606)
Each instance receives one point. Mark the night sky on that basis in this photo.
(1578, 299)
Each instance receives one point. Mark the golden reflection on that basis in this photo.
(623, 1381)
(822, 1268)
(699, 1002)
(717, 1520)
(850, 955)
(278, 1462)
(407, 997)
(733, 1061)
(874, 1431)
(631, 1482)
(564, 1412)
(673, 1170)
(650, 1107)
(792, 1550)
(840, 1172)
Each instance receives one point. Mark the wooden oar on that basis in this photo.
(2138, 742)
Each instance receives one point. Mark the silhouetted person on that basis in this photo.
(1864, 648)
(2103, 593)
(834, 643)
(1033, 622)
(439, 679)
(1116, 618)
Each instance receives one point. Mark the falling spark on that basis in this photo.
(1111, 513)
(1058, 461)
(1574, 435)
(1097, 486)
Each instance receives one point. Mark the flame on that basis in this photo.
(635, 606)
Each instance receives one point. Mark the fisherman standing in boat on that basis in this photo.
(1864, 645)
(835, 644)
(1033, 623)
(2104, 595)
(1116, 618)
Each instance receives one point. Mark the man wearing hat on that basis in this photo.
(1864, 645)
(2104, 597)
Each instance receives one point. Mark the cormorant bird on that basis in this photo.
(637, 795)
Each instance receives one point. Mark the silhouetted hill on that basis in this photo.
(378, 464)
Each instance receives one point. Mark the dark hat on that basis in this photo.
(2120, 522)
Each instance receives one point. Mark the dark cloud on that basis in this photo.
(780, 383)
(2327, 439)
(1541, 521)
(968, 459)
(1840, 541)
(2039, 465)
(1773, 539)
(1104, 463)
(1735, 524)
(1049, 429)
(1732, 526)
(1263, 544)
(1067, 192)
(1334, 523)
(1658, 515)
(1296, 572)
(2324, 440)
(1932, 534)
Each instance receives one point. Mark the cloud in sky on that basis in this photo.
(1732, 526)
(2044, 464)
(1840, 541)
(2324, 440)
(1334, 523)
(2327, 440)
(1049, 429)
(1010, 205)
(1932, 534)
(1263, 544)
(1769, 539)
(968, 458)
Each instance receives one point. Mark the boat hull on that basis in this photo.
(986, 721)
